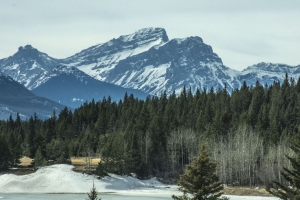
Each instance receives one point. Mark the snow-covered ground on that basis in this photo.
(61, 179)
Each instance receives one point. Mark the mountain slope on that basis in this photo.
(46, 77)
(15, 98)
(72, 87)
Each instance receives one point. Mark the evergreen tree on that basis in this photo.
(101, 169)
(93, 194)
(292, 191)
(4, 153)
(30, 134)
(14, 143)
(39, 159)
(200, 182)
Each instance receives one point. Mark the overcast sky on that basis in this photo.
(242, 33)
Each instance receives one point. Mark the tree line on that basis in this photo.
(248, 133)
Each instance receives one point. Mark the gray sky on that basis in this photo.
(242, 33)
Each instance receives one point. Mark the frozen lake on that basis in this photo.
(104, 197)
(75, 197)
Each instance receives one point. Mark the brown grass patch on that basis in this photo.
(25, 162)
(81, 164)
(82, 161)
(244, 191)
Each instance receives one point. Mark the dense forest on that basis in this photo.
(248, 133)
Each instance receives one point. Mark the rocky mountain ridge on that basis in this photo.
(146, 60)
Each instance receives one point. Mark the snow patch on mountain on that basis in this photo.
(150, 76)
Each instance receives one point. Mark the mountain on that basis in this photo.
(171, 66)
(28, 66)
(15, 98)
(267, 73)
(47, 77)
(72, 87)
(147, 60)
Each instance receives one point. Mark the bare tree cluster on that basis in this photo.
(241, 155)
(243, 159)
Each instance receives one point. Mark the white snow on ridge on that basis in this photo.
(34, 65)
(14, 66)
(88, 69)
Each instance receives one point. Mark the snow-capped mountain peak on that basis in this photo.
(98, 60)
(267, 73)
(146, 34)
(170, 67)
(28, 66)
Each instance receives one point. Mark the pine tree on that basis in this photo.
(14, 143)
(200, 182)
(39, 159)
(93, 194)
(4, 153)
(292, 191)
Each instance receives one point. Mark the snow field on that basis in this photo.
(62, 179)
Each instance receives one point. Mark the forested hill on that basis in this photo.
(159, 135)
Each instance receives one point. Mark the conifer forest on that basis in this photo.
(248, 133)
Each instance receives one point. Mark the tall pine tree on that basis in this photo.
(200, 182)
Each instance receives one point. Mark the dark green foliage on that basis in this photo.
(39, 159)
(4, 154)
(102, 169)
(200, 182)
(93, 194)
(14, 142)
(292, 190)
(30, 133)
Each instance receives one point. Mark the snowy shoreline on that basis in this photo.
(61, 179)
